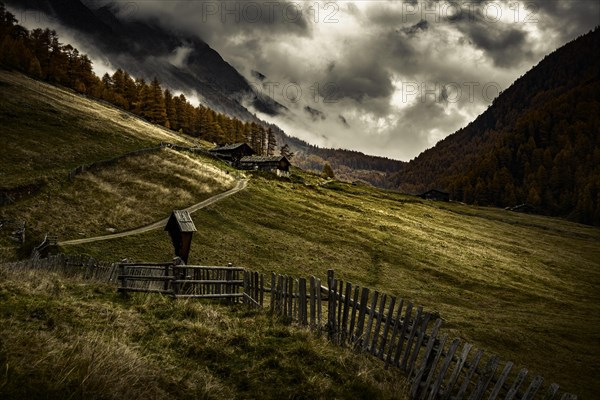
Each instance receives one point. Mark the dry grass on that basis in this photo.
(63, 338)
(134, 192)
(46, 131)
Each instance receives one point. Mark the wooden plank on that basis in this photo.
(331, 310)
(148, 265)
(294, 292)
(319, 302)
(286, 295)
(261, 299)
(279, 298)
(147, 278)
(444, 368)
(469, 375)
(351, 336)
(438, 355)
(256, 286)
(361, 316)
(302, 302)
(122, 272)
(330, 302)
(225, 282)
(425, 368)
(418, 345)
(551, 393)
(345, 313)
(273, 292)
(144, 290)
(485, 378)
(312, 302)
(398, 326)
(206, 268)
(386, 328)
(290, 309)
(209, 296)
(378, 320)
(366, 342)
(411, 337)
(533, 388)
(500, 382)
(249, 299)
(340, 305)
(512, 391)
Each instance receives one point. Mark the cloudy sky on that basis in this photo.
(389, 78)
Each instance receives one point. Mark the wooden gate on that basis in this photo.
(184, 281)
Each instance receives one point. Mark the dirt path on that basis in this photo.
(241, 185)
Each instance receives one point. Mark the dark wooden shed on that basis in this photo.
(279, 165)
(435, 194)
(233, 153)
(181, 228)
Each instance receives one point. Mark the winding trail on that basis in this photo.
(241, 185)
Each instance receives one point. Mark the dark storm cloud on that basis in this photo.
(366, 77)
(574, 17)
(507, 46)
(374, 51)
(422, 25)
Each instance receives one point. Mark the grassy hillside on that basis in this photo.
(48, 131)
(524, 287)
(64, 338)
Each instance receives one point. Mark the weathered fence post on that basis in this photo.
(123, 279)
(330, 304)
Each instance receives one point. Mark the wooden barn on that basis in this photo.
(279, 165)
(233, 153)
(435, 194)
(181, 228)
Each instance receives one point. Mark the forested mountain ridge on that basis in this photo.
(538, 143)
(144, 49)
(135, 48)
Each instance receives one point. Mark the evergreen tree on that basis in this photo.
(285, 151)
(327, 171)
(271, 142)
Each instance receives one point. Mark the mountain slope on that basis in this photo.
(539, 142)
(146, 49)
(521, 286)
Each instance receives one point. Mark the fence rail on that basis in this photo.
(390, 328)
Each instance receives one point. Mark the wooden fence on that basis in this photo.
(404, 336)
(102, 163)
(183, 281)
(394, 330)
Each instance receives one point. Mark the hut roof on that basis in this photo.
(183, 219)
(259, 159)
(229, 147)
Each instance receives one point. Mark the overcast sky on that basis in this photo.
(389, 78)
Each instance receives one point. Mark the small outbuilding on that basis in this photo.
(233, 153)
(279, 165)
(435, 194)
(181, 228)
